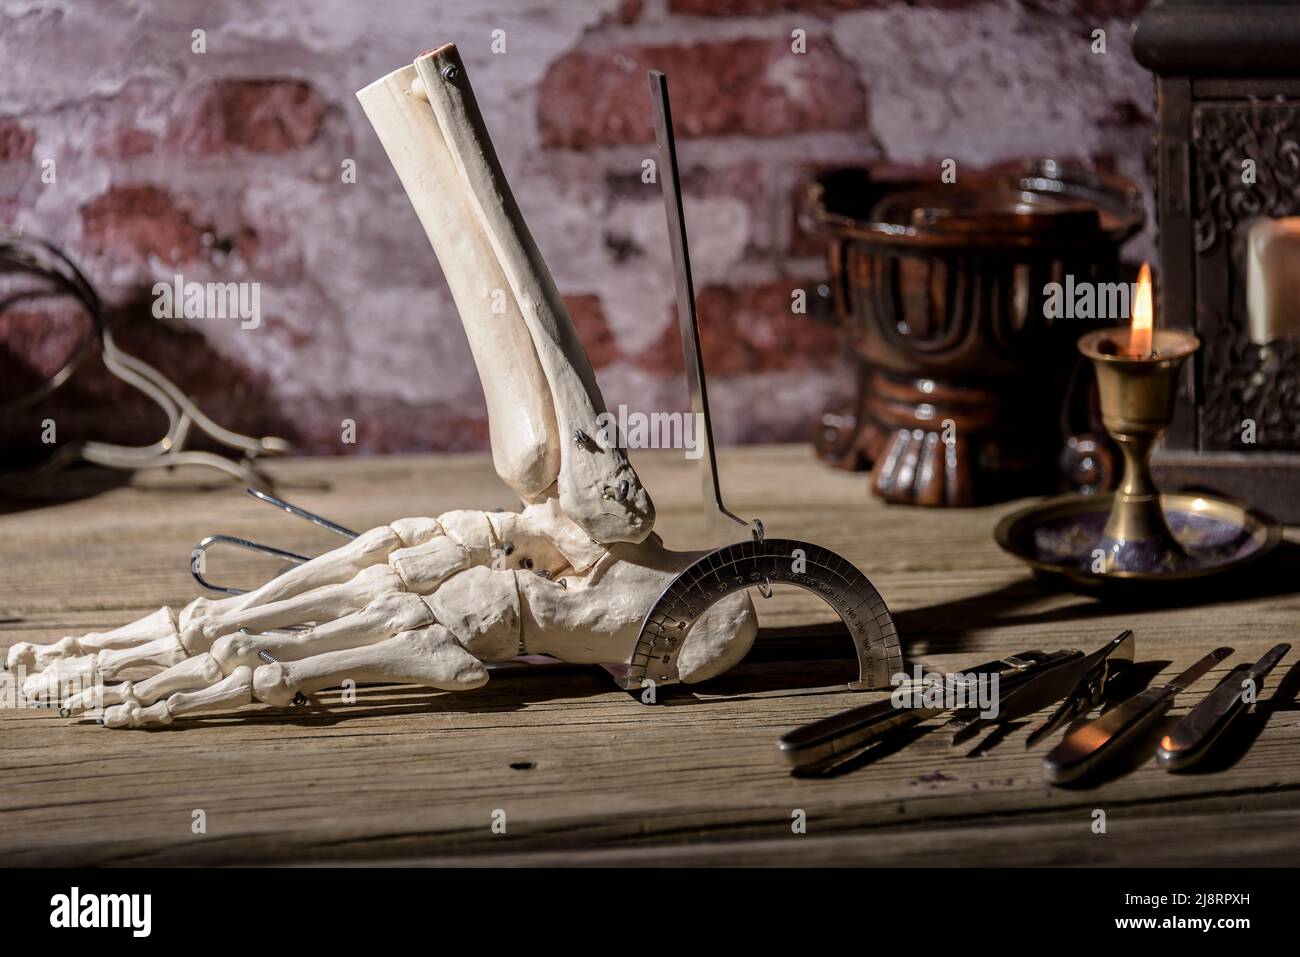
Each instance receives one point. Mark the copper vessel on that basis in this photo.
(940, 287)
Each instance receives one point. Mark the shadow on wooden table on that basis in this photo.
(78, 482)
(385, 701)
(72, 484)
(946, 626)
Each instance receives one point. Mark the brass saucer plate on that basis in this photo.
(1058, 535)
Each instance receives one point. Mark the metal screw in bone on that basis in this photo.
(299, 699)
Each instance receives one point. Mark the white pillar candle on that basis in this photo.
(1273, 280)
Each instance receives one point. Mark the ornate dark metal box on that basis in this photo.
(1228, 159)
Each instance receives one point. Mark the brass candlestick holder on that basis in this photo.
(1137, 533)
(1137, 404)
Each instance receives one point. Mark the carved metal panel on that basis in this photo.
(1238, 380)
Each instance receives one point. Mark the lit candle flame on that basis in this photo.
(1140, 334)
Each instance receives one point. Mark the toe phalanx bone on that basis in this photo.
(429, 600)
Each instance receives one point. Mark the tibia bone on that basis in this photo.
(597, 486)
(521, 418)
(532, 366)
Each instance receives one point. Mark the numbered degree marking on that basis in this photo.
(776, 561)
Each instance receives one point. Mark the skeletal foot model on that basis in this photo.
(424, 600)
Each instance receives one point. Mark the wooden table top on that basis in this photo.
(585, 773)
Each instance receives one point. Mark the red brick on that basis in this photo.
(628, 12)
(16, 141)
(745, 181)
(748, 86)
(383, 427)
(143, 220)
(130, 143)
(589, 318)
(751, 329)
(263, 116)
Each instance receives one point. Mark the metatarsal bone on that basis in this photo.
(591, 477)
(319, 604)
(337, 565)
(521, 417)
(426, 656)
(381, 618)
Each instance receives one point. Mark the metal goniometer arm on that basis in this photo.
(687, 319)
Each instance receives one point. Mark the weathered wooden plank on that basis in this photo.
(412, 774)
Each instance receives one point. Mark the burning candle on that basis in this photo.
(1139, 341)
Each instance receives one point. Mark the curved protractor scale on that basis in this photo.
(773, 561)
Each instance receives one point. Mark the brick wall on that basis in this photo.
(226, 165)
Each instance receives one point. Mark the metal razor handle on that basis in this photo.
(1191, 738)
(821, 743)
(1086, 747)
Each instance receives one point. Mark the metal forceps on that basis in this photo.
(826, 743)
(1091, 689)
